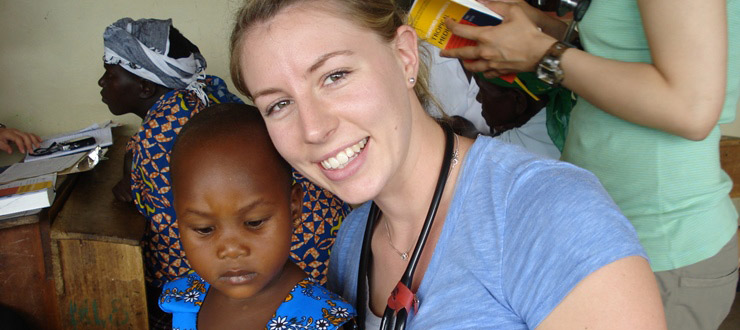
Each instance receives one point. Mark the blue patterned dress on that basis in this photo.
(308, 306)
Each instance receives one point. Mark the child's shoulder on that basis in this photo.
(311, 305)
(184, 294)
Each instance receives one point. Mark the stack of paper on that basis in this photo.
(28, 194)
(102, 134)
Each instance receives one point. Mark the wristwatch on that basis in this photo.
(549, 70)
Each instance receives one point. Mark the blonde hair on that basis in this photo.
(383, 17)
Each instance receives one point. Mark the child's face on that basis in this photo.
(235, 215)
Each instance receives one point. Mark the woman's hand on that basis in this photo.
(515, 45)
(122, 190)
(24, 141)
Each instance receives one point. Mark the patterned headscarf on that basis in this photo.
(142, 47)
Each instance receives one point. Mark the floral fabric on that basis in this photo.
(308, 306)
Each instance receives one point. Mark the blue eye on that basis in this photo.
(277, 106)
(335, 76)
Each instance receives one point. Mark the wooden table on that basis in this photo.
(25, 269)
(97, 260)
(77, 264)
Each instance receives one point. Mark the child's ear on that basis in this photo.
(296, 204)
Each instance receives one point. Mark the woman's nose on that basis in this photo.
(100, 81)
(317, 120)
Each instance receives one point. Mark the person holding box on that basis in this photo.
(654, 82)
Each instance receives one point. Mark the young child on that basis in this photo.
(236, 209)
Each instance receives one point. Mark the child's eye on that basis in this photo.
(254, 224)
(277, 106)
(203, 230)
(334, 77)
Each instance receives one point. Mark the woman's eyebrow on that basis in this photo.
(315, 66)
(321, 60)
(265, 92)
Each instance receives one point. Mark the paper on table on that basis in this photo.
(45, 166)
(27, 194)
(103, 137)
(19, 214)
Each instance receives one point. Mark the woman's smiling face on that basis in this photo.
(335, 96)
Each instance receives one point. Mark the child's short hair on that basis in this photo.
(225, 121)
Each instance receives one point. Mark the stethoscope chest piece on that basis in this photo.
(403, 298)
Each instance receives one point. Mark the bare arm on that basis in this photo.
(122, 190)
(681, 92)
(24, 141)
(620, 295)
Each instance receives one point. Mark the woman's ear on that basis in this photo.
(296, 204)
(406, 46)
(147, 88)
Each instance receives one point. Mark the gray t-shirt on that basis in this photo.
(520, 233)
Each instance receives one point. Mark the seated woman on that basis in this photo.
(514, 241)
(154, 72)
(140, 78)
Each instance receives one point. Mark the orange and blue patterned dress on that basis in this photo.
(164, 258)
(308, 306)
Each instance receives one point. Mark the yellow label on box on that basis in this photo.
(428, 18)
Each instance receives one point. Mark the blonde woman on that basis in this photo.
(458, 233)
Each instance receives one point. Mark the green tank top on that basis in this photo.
(672, 189)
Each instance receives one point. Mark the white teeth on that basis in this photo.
(343, 157)
(333, 162)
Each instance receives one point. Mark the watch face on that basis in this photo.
(549, 70)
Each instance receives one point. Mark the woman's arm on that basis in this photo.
(122, 190)
(620, 295)
(681, 92)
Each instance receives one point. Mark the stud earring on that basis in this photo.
(412, 80)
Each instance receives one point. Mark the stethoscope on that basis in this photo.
(402, 299)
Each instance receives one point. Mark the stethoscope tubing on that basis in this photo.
(392, 319)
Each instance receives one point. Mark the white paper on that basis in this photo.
(41, 167)
(103, 138)
(19, 214)
(48, 177)
(24, 201)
